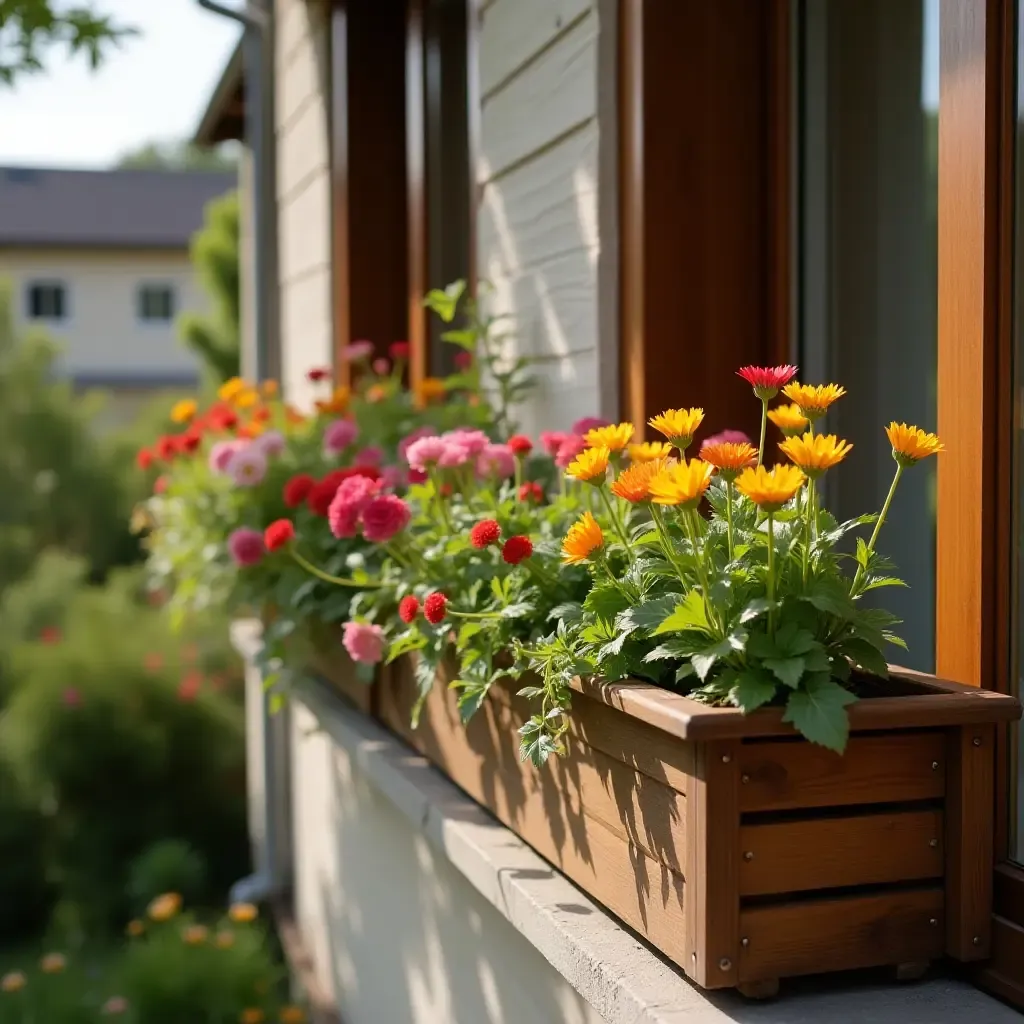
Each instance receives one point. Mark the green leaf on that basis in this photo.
(531, 692)
(704, 661)
(786, 670)
(830, 596)
(467, 631)
(875, 582)
(410, 640)
(819, 714)
(677, 647)
(684, 672)
(520, 609)
(866, 655)
(688, 614)
(754, 608)
(568, 611)
(647, 615)
(464, 339)
(605, 601)
(751, 690)
(792, 639)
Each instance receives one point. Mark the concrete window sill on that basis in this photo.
(617, 974)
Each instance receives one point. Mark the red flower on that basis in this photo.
(435, 607)
(166, 448)
(160, 485)
(531, 491)
(399, 350)
(767, 381)
(223, 417)
(317, 373)
(260, 414)
(153, 661)
(49, 635)
(408, 608)
(520, 444)
(188, 688)
(278, 533)
(485, 533)
(190, 441)
(143, 459)
(463, 360)
(297, 489)
(517, 549)
(321, 494)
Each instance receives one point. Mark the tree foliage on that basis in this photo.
(179, 155)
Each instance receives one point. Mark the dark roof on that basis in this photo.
(224, 117)
(122, 208)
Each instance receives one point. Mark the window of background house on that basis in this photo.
(46, 300)
(867, 101)
(155, 303)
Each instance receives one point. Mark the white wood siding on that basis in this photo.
(538, 236)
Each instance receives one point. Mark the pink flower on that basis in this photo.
(338, 436)
(496, 460)
(248, 466)
(569, 449)
(391, 477)
(455, 454)
(351, 497)
(364, 642)
(474, 441)
(589, 423)
(410, 438)
(727, 437)
(271, 442)
(246, 546)
(371, 456)
(381, 366)
(71, 698)
(767, 381)
(552, 440)
(425, 452)
(220, 455)
(358, 350)
(383, 517)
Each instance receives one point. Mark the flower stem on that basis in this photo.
(878, 524)
(442, 508)
(666, 540)
(764, 426)
(771, 572)
(809, 513)
(340, 581)
(474, 615)
(689, 515)
(616, 523)
(728, 513)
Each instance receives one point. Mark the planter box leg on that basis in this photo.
(766, 989)
(915, 970)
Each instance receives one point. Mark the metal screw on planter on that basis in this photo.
(744, 942)
(744, 779)
(748, 855)
(976, 940)
(725, 964)
(933, 843)
(935, 766)
(726, 758)
(933, 921)
(976, 741)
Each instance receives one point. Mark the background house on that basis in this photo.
(100, 259)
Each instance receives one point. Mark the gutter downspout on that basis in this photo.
(256, 18)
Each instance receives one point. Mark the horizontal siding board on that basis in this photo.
(305, 332)
(302, 147)
(305, 229)
(512, 32)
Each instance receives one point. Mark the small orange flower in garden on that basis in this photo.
(770, 489)
(13, 981)
(269, 388)
(813, 399)
(134, 928)
(252, 1015)
(53, 963)
(246, 398)
(429, 390)
(115, 1006)
(590, 465)
(683, 484)
(789, 419)
(230, 389)
(634, 483)
(728, 457)
(195, 934)
(614, 437)
(582, 540)
(292, 1015)
(243, 913)
(814, 453)
(164, 907)
(184, 411)
(293, 416)
(648, 451)
(261, 414)
(376, 393)
(911, 444)
(678, 425)
(225, 939)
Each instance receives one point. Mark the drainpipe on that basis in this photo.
(256, 19)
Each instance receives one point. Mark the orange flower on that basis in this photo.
(292, 1015)
(293, 416)
(678, 425)
(770, 489)
(429, 390)
(252, 1015)
(184, 411)
(225, 939)
(582, 540)
(194, 935)
(789, 419)
(728, 457)
(246, 398)
(634, 483)
(813, 399)
(647, 451)
(228, 391)
(814, 453)
(13, 981)
(269, 388)
(135, 928)
(163, 908)
(911, 444)
(682, 483)
(53, 963)
(376, 393)
(243, 913)
(614, 437)
(590, 465)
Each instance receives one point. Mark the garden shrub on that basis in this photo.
(170, 865)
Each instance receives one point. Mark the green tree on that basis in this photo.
(179, 156)
(216, 337)
(29, 27)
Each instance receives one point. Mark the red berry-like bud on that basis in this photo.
(278, 533)
(435, 607)
(486, 532)
(517, 549)
(408, 608)
(520, 444)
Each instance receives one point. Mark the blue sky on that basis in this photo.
(154, 88)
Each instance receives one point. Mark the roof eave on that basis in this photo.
(224, 117)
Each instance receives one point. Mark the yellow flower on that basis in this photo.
(814, 453)
(590, 465)
(813, 399)
(163, 908)
(53, 963)
(911, 444)
(246, 398)
(678, 425)
(729, 457)
(134, 928)
(292, 1015)
(770, 488)
(195, 935)
(184, 411)
(225, 939)
(682, 483)
(648, 451)
(115, 1005)
(634, 483)
(429, 390)
(614, 437)
(13, 981)
(582, 540)
(243, 913)
(253, 1015)
(230, 388)
(269, 388)
(789, 419)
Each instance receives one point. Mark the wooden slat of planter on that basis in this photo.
(827, 853)
(815, 936)
(340, 672)
(969, 841)
(891, 768)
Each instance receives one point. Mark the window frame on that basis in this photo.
(59, 285)
(141, 290)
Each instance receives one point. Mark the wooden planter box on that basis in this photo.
(742, 852)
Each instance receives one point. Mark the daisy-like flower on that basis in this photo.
(292, 1015)
(135, 928)
(13, 981)
(728, 457)
(682, 483)
(767, 380)
(243, 913)
(678, 425)
(911, 444)
(648, 451)
(164, 907)
(633, 484)
(53, 963)
(590, 465)
(789, 419)
(247, 466)
(814, 453)
(195, 934)
(269, 388)
(184, 411)
(428, 390)
(770, 489)
(228, 391)
(582, 540)
(224, 939)
(813, 399)
(614, 437)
